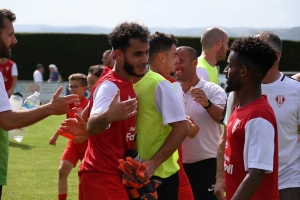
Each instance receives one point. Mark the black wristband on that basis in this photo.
(209, 104)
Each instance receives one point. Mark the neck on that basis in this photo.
(249, 94)
(272, 75)
(121, 72)
(209, 57)
(156, 67)
(3, 60)
(187, 84)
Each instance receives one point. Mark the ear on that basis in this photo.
(118, 53)
(195, 62)
(278, 54)
(218, 44)
(161, 56)
(243, 71)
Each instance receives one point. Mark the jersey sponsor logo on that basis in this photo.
(236, 124)
(280, 99)
(211, 188)
(228, 168)
(226, 144)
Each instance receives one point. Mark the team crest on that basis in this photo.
(236, 124)
(280, 99)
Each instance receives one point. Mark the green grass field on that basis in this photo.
(33, 164)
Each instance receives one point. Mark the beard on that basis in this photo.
(129, 68)
(221, 54)
(4, 51)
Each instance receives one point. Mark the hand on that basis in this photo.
(75, 126)
(61, 105)
(9, 92)
(80, 139)
(220, 188)
(199, 96)
(194, 128)
(118, 111)
(150, 168)
(52, 140)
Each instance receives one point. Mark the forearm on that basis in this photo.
(215, 112)
(14, 82)
(17, 119)
(97, 123)
(220, 155)
(179, 132)
(249, 185)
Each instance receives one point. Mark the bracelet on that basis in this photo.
(209, 104)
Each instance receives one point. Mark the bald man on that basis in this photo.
(204, 103)
(106, 59)
(214, 42)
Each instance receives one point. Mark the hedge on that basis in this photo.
(75, 53)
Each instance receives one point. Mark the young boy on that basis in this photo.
(76, 147)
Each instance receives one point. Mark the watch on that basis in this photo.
(209, 104)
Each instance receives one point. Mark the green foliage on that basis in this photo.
(75, 53)
(33, 164)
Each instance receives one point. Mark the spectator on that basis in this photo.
(107, 60)
(54, 74)
(38, 73)
(93, 75)
(10, 74)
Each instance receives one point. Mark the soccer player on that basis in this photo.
(76, 146)
(251, 149)
(110, 139)
(17, 119)
(214, 42)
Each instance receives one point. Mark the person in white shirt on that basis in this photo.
(38, 73)
(204, 102)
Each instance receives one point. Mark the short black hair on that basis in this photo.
(161, 42)
(5, 13)
(96, 70)
(256, 54)
(122, 33)
(273, 39)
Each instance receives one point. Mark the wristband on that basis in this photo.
(209, 104)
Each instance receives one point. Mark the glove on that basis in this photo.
(134, 179)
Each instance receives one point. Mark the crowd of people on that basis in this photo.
(164, 101)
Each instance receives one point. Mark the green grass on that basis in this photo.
(33, 164)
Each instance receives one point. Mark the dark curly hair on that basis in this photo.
(256, 54)
(160, 42)
(5, 13)
(96, 70)
(120, 36)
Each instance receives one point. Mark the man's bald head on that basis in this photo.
(191, 52)
(210, 36)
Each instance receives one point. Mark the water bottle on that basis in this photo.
(30, 102)
(16, 101)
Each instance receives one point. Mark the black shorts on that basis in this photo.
(168, 190)
(202, 177)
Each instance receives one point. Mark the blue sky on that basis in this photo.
(158, 13)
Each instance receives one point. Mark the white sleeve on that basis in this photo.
(102, 96)
(259, 145)
(202, 73)
(4, 101)
(14, 70)
(168, 103)
(229, 108)
(218, 95)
